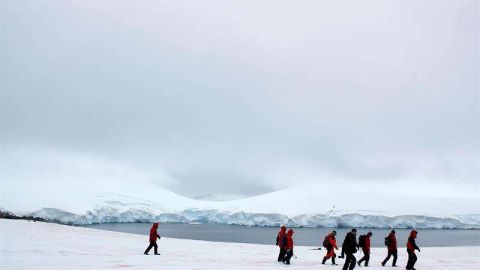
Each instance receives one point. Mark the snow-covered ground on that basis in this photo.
(38, 245)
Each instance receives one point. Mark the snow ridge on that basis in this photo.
(109, 214)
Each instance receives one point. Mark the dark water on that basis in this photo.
(302, 236)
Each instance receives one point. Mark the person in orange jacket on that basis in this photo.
(366, 249)
(411, 247)
(288, 247)
(280, 243)
(330, 243)
(391, 242)
(153, 239)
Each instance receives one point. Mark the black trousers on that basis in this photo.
(155, 247)
(412, 259)
(350, 261)
(288, 256)
(366, 257)
(281, 254)
(391, 253)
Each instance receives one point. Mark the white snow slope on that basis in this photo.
(345, 205)
(38, 245)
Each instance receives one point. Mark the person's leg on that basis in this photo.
(387, 258)
(342, 254)
(353, 263)
(414, 259)
(155, 247)
(283, 252)
(363, 257)
(329, 254)
(289, 256)
(367, 258)
(410, 259)
(148, 248)
(394, 253)
(332, 254)
(347, 261)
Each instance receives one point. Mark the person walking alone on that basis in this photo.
(153, 239)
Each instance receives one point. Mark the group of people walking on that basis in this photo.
(350, 246)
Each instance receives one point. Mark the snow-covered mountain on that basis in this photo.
(368, 205)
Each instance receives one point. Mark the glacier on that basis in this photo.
(109, 214)
(82, 203)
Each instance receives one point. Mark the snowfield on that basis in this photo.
(38, 245)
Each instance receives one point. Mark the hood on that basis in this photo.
(290, 232)
(155, 226)
(413, 234)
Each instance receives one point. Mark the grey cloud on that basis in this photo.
(258, 96)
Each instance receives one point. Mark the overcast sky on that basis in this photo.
(226, 99)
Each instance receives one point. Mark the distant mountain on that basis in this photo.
(310, 206)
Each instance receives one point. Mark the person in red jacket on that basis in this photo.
(153, 239)
(288, 247)
(366, 250)
(391, 242)
(411, 247)
(330, 243)
(280, 242)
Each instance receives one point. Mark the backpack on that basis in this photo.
(361, 241)
(387, 241)
(326, 243)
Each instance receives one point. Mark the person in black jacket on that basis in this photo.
(350, 246)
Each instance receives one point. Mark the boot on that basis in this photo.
(324, 260)
(333, 261)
